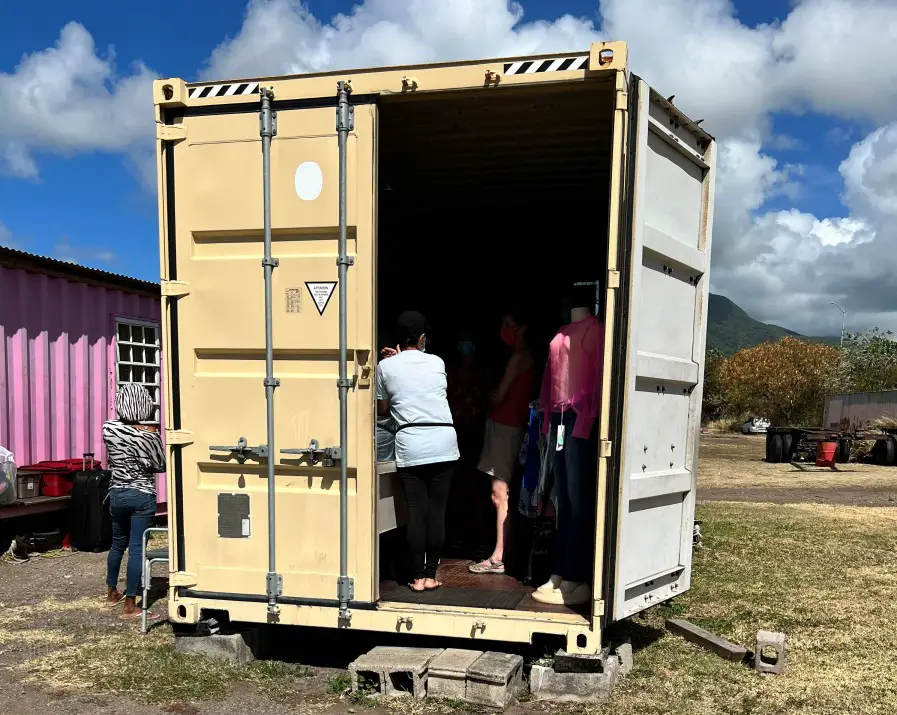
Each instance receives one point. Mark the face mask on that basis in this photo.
(467, 347)
(508, 336)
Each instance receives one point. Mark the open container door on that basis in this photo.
(669, 203)
(211, 159)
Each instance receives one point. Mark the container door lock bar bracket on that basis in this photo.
(327, 456)
(243, 451)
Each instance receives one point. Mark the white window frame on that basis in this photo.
(149, 367)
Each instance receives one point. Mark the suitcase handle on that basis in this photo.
(84, 459)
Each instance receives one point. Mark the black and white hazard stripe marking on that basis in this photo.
(561, 64)
(223, 90)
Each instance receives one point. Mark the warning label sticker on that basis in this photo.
(294, 300)
(320, 293)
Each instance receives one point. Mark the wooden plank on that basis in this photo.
(35, 505)
(707, 640)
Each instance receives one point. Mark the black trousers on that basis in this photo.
(575, 478)
(426, 494)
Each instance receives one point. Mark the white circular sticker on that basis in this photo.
(309, 181)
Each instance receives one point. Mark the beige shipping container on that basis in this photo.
(299, 214)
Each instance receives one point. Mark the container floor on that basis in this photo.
(462, 588)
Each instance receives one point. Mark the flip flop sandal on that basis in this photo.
(486, 567)
(112, 605)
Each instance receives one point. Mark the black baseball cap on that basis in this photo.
(411, 325)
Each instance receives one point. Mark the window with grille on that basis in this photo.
(137, 357)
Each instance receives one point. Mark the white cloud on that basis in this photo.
(837, 57)
(68, 99)
(64, 250)
(282, 36)
(6, 238)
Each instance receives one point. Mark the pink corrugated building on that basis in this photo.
(68, 336)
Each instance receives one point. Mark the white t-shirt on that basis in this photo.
(415, 385)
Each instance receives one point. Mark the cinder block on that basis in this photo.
(235, 648)
(770, 639)
(547, 684)
(565, 662)
(394, 672)
(624, 652)
(495, 679)
(447, 673)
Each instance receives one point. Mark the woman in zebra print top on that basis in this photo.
(135, 455)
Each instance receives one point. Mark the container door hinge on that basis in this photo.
(606, 448)
(362, 368)
(175, 289)
(621, 100)
(613, 279)
(183, 579)
(171, 132)
(179, 436)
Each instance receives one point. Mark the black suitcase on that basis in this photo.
(91, 522)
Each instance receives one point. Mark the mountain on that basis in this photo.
(730, 329)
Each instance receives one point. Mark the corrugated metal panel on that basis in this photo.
(57, 363)
(858, 410)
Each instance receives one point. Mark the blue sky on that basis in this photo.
(90, 206)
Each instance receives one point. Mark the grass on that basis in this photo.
(824, 575)
(149, 670)
(339, 684)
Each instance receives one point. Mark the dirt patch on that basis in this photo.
(848, 496)
(731, 468)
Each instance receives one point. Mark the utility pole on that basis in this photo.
(843, 314)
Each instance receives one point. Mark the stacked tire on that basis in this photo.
(780, 447)
(885, 451)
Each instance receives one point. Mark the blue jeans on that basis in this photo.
(132, 514)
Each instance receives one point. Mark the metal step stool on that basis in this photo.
(150, 558)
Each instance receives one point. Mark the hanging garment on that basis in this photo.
(573, 373)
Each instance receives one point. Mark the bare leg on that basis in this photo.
(495, 563)
(502, 525)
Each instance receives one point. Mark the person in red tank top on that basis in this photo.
(504, 433)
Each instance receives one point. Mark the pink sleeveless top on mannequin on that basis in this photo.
(573, 374)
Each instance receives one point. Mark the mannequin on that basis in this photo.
(571, 393)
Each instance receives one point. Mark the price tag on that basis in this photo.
(560, 440)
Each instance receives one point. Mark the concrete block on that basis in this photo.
(767, 640)
(565, 662)
(235, 648)
(707, 640)
(624, 652)
(394, 672)
(447, 673)
(495, 679)
(547, 684)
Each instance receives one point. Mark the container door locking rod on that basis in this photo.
(267, 130)
(345, 122)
